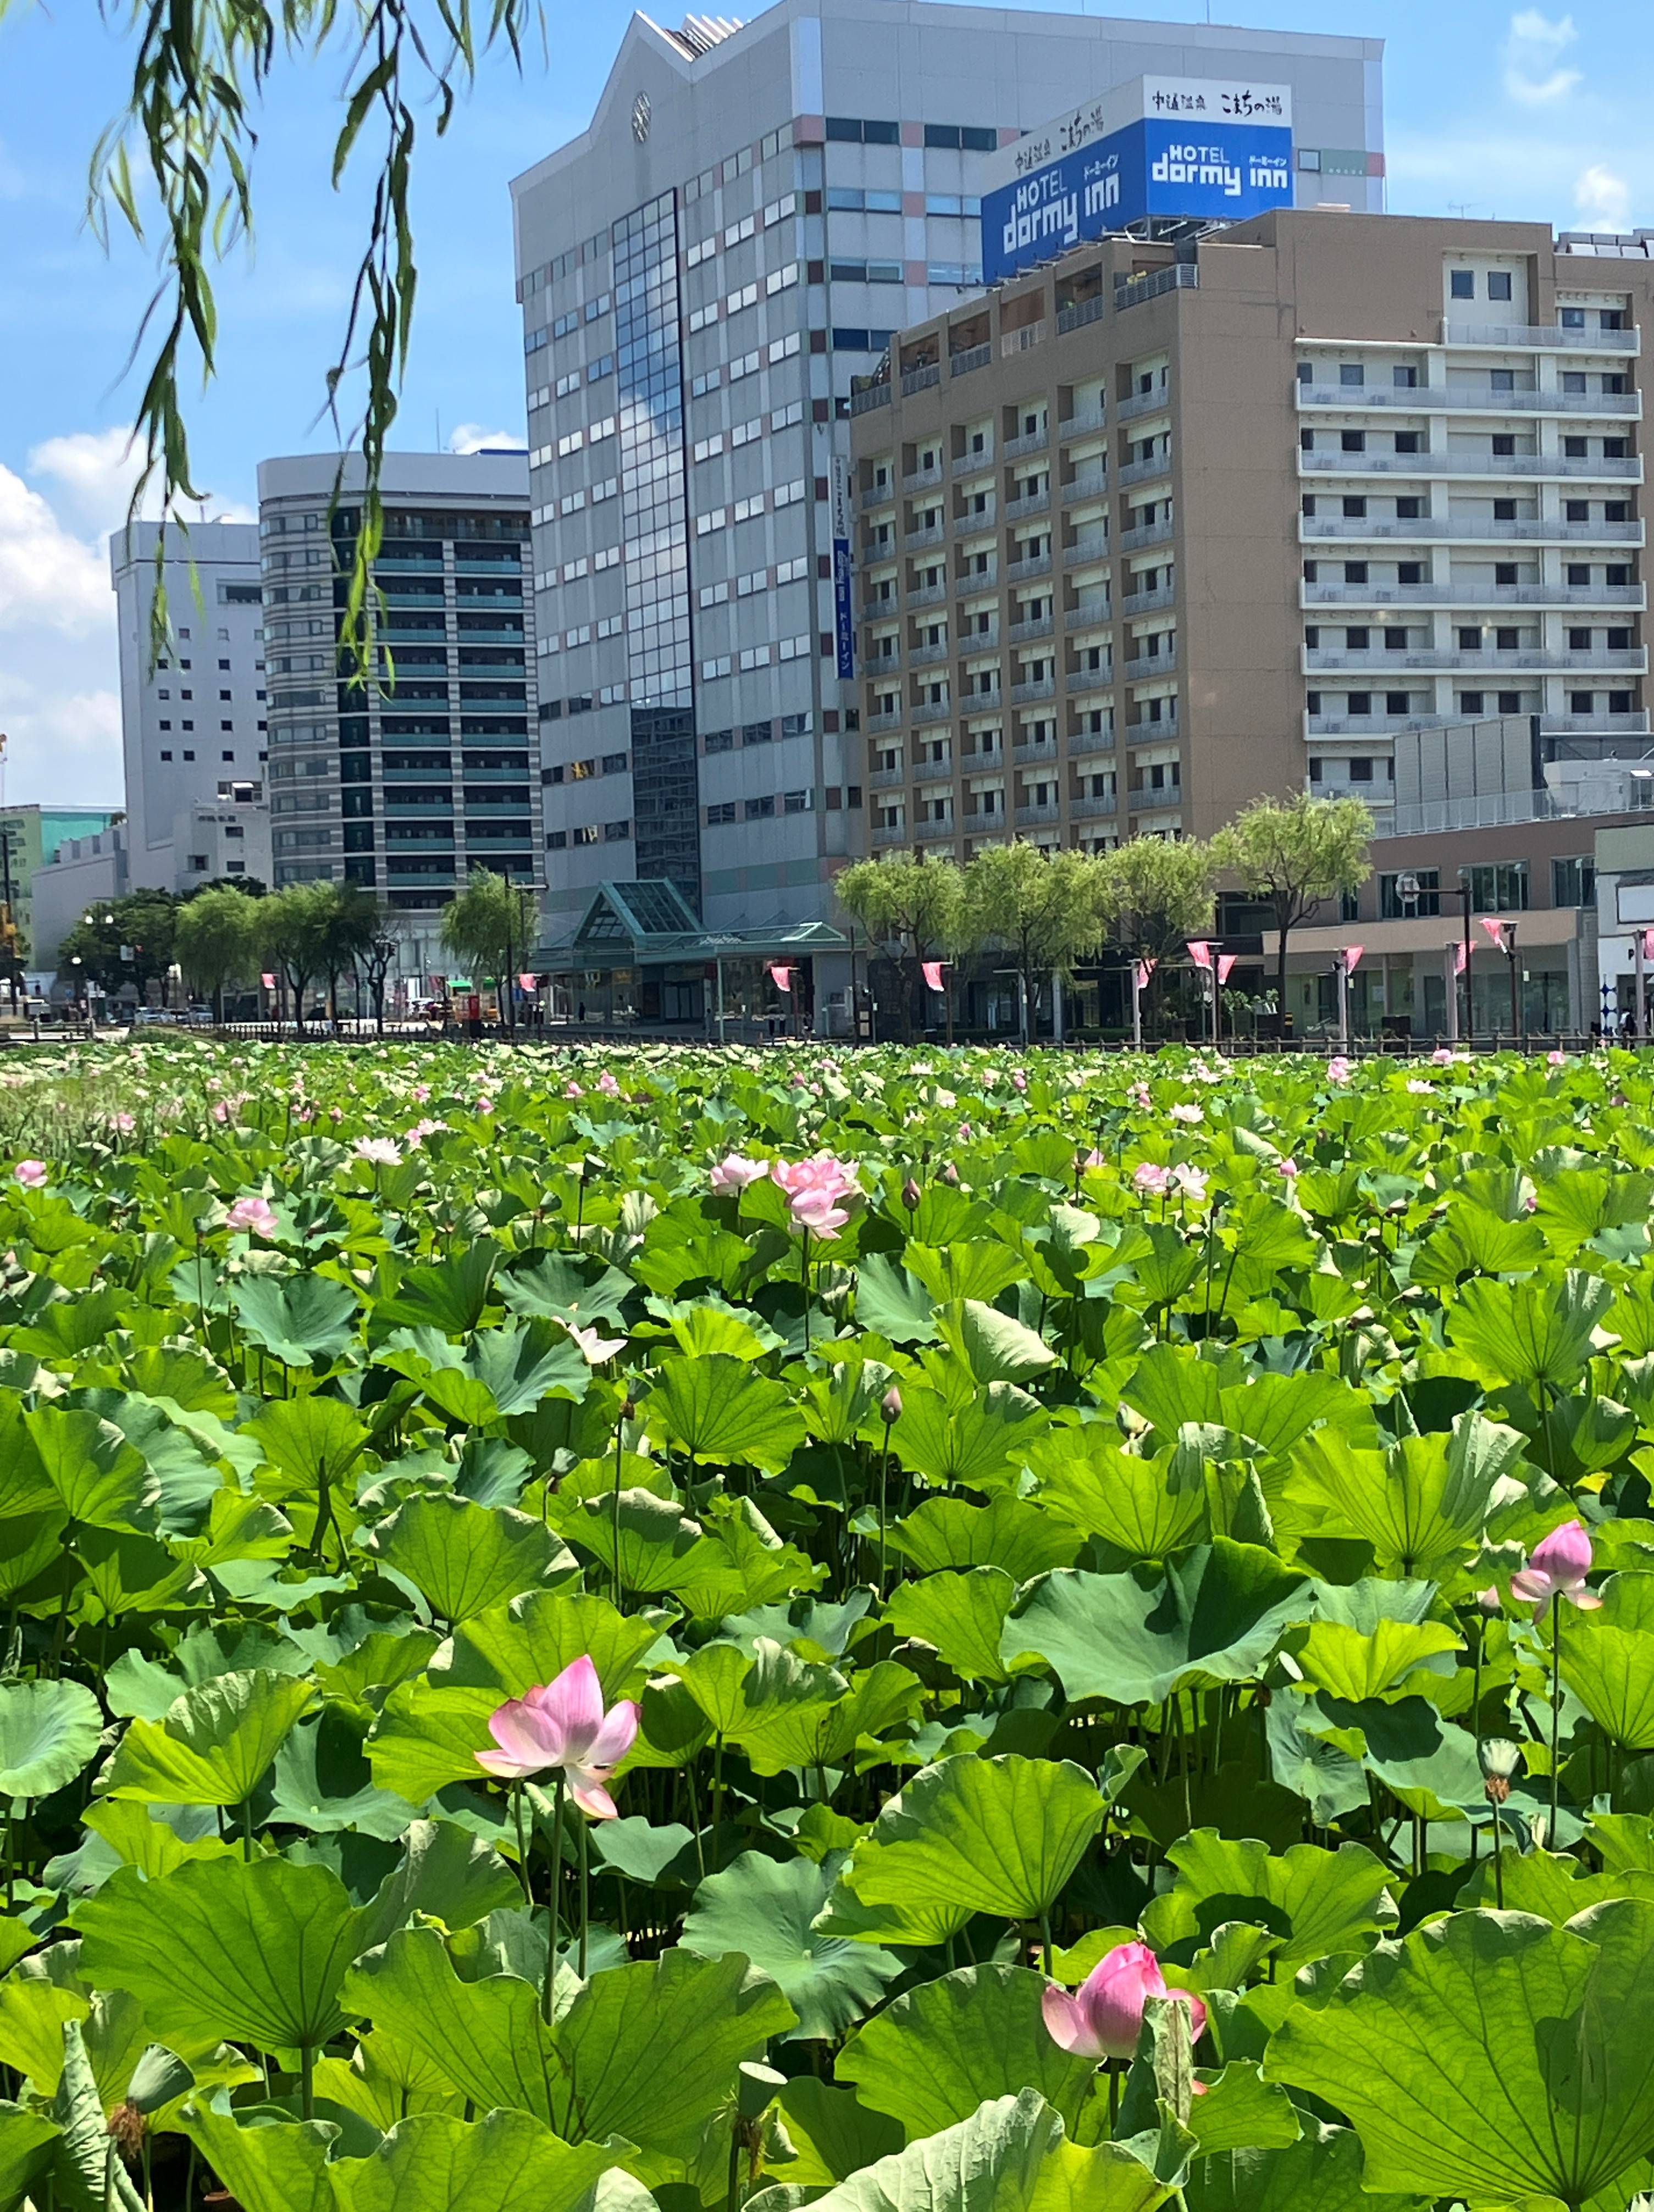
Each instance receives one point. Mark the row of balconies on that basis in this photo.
(1535, 658)
(1463, 593)
(1442, 400)
(1627, 468)
(1461, 530)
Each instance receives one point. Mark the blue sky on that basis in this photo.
(1524, 113)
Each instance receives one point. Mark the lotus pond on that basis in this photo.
(972, 1632)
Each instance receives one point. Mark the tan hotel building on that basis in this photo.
(1159, 528)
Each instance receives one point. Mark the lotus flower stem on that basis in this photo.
(804, 1269)
(585, 1892)
(556, 1942)
(307, 2081)
(620, 1436)
(1556, 1712)
(522, 1846)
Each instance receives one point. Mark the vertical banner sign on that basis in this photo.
(843, 612)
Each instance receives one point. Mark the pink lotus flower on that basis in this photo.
(123, 1123)
(1018, 1081)
(379, 1152)
(572, 1090)
(1188, 1181)
(607, 1085)
(815, 1191)
(336, 1114)
(1139, 1094)
(484, 1105)
(1103, 2017)
(1441, 1057)
(1151, 1180)
(422, 1129)
(595, 1348)
(1557, 1569)
(563, 1724)
(220, 1112)
(1488, 1599)
(1180, 1112)
(1556, 1059)
(731, 1176)
(1288, 1168)
(254, 1214)
(1338, 1069)
(1091, 1159)
(421, 1091)
(964, 1132)
(30, 1173)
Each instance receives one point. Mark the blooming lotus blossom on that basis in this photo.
(607, 1085)
(1139, 1094)
(1103, 2017)
(1151, 1180)
(422, 1129)
(1089, 1160)
(1190, 1115)
(595, 1348)
(254, 1214)
(964, 1132)
(30, 1173)
(572, 1090)
(1018, 1081)
(1441, 1057)
(1420, 1087)
(421, 1091)
(1488, 1599)
(484, 1105)
(562, 1724)
(1288, 1168)
(379, 1152)
(123, 1123)
(220, 1112)
(1338, 1069)
(1557, 1569)
(731, 1176)
(1556, 1059)
(1189, 1182)
(816, 1191)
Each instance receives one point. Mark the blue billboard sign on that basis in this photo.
(1214, 167)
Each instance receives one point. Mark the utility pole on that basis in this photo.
(506, 1000)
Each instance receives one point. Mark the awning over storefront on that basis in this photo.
(650, 924)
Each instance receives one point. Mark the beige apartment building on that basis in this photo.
(1162, 528)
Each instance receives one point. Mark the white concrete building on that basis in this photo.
(192, 721)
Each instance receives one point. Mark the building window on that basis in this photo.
(1574, 881)
(723, 813)
(1498, 284)
(1501, 889)
(1461, 284)
(586, 834)
(760, 809)
(1427, 901)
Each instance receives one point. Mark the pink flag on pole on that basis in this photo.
(1495, 929)
(1648, 945)
(931, 971)
(529, 982)
(1144, 969)
(781, 975)
(1352, 957)
(1459, 951)
(1199, 951)
(269, 982)
(1225, 962)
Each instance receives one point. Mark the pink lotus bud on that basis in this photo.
(889, 1406)
(1557, 1569)
(1103, 2017)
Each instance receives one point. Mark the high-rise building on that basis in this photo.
(1158, 527)
(406, 783)
(192, 719)
(753, 212)
(30, 839)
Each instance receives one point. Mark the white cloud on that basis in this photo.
(1533, 74)
(51, 580)
(473, 438)
(94, 472)
(1603, 200)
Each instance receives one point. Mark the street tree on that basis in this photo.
(217, 941)
(1294, 855)
(1153, 894)
(917, 905)
(294, 923)
(1041, 907)
(493, 923)
(120, 941)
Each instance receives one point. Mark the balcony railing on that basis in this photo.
(1076, 316)
(1540, 336)
(1145, 603)
(916, 540)
(1028, 816)
(920, 378)
(1039, 626)
(1030, 441)
(1085, 549)
(930, 710)
(1030, 502)
(922, 479)
(1041, 687)
(1089, 679)
(1451, 398)
(890, 832)
(1087, 614)
(1433, 464)
(1457, 530)
(961, 364)
(1502, 809)
(1463, 593)
(1036, 564)
(1532, 659)
(863, 403)
(1157, 465)
(1087, 808)
(932, 771)
(1083, 425)
(1132, 291)
(1090, 741)
(1148, 533)
(1140, 403)
(1088, 483)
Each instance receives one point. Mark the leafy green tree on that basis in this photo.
(356, 920)
(294, 925)
(920, 904)
(217, 941)
(1153, 893)
(1041, 907)
(493, 924)
(1293, 853)
(144, 922)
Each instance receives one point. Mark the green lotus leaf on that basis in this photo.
(450, 1295)
(1240, 2111)
(530, 1639)
(310, 1442)
(297, 1318)
(980, 1271)
(893, 1302)
(1320, 1903)
(995, 1346)
(322, 1782)
(763, 1909)
(961, 1616)
(1490, 2055)
(1423, 1505)
(559, 1287)
(979, 1835)
(1608, 1660)
(29, 1543)
(215, 1743)
(227, 1950)
(646, 2053)
(1009, 2156)
(1529, 1334)
(265, 2162)
(429, 1736)
(96, 1476)
(49, 1733)
(1320, 2173)
(741, 1693)
(716, 1408)
(503, 2162)
(28, 2140)
(88, 2171)
(831, 2132)
(936, 2052)
(971, 1439)
(1215, 1614)
(1007, 1532)
(463, 1558)
(1346, 1663)
(831, 1731)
